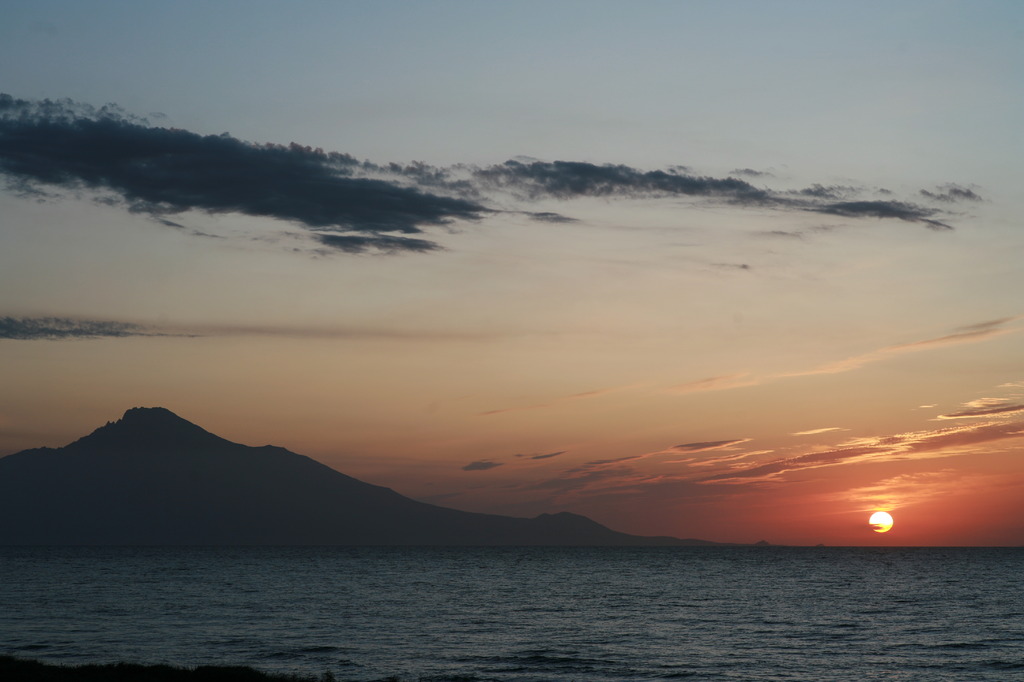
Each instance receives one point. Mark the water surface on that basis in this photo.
(723, 613)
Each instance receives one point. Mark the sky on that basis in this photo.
(736, 271)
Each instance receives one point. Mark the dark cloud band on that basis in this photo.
(571, 179)
(164, 171)
(351, 206)
(52, 328)
(481, 465)
(568, 179)
(383, 243)
(883, 209)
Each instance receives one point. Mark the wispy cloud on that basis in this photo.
(707, 462)
(973, 333)
(570, 179)
(598, 469)
(814, 432)
(716, 383)
(549, 217)
(750, 172)
(984, 407)
(708, 445)
(43, 328)
(969, 334)
(486, 464)
(628, 475)
(548, 455)
(378, 242)
(900, 210)
(482, 465)
(915, 445)
(56, 328)
(951, 193)
(552, 403)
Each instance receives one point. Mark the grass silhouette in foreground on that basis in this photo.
(19, 670)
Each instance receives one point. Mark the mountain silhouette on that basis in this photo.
(153, 478)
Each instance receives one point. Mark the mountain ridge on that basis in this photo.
(154, 478)
(147, 424)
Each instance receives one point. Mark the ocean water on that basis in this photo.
(722, 613)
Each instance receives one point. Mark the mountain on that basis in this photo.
(153, 478)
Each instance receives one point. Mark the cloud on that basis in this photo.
(973, 333)
(952, 193)
(750, 172)
(553, 403)
(44, 328)
(161, 171)
(591, 469)
(384, 243)
(600, 475)
(724, 459)
(883, 209)
(733, 266)
(481, 465)
(545, 456)
(550, 217)
(817, 459)
(969, 334)
(569, 179)
(966, 334)
(716, 383)
(832, 192)
(814, 432)
(708, 445)
(782, 233)
(915, 445)
(352, 206)
(54, 328)
(985, 407)
(988, 324)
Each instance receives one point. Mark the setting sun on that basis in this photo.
(880, 522)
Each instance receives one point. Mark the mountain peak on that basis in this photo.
(151, 416)
(155, 428)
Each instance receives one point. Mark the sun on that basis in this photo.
(880, 522)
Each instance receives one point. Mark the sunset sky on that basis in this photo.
(725, 270)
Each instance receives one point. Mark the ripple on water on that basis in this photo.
(525, 613)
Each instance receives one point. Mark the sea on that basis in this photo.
(525, 613)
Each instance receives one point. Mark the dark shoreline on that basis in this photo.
(27, 670)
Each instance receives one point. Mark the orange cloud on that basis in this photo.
(714, 461)
(709, 445)
(814, 432)
(984, 407)
(915, 445)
